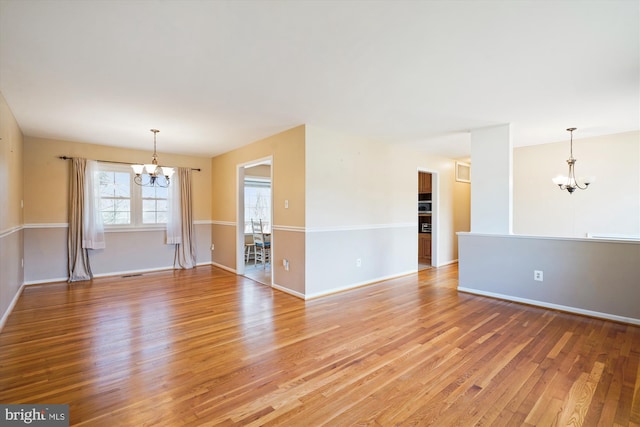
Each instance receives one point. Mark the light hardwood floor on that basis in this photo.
(205, 347)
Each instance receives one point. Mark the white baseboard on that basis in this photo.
(44, 281)
(357, 285)
(552, 306)
(110, 274)
(12, 304)
(288, 291)
(224, 267)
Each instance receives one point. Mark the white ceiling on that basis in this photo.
(215, 75)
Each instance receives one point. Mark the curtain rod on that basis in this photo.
(113, 161)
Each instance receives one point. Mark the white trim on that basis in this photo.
(12, 304)
(453, 261)
(359, 284)
(47, 225)
(552, 306)
(288, 291)
(129, 229)
(10, 231)
(109, 229)
(570, 239)
(616, 237)
(361, 227)
(229, 223)
(201, 264)
(288, 228)
(128, 272)
(240, 208)
(46, 281)
(202, 222)
(224, 267)
(111, 274)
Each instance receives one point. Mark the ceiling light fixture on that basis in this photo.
(150, 175)
(570, 182)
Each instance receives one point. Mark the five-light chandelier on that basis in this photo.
(570, 182)
(150, 175)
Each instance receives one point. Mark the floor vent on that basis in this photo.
(131, 275)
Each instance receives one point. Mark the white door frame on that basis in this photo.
(240, 167)
(435, 214)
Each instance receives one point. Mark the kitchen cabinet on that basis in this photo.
(424, 182)
(425, 207)
(424, 248)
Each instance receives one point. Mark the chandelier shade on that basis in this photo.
(570, 182)
(151, 174)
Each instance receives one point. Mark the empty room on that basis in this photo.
(309, 213)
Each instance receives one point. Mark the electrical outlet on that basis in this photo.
(358, 262)
(212, 246)
(538, 275)
(285, 264)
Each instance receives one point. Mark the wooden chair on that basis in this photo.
(262, 242)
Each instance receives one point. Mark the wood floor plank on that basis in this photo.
(206, 347)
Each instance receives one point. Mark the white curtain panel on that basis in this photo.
(174, 214)
(93, 229)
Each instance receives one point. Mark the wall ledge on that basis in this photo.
(594, 239)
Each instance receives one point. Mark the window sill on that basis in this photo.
(129, 228)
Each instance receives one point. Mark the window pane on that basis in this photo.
(122, 205)
(108, 218)
(148, 192)
(122, 184)
(257, 204)
(162, 218)
(122, 217)
(148, 205)
(106, 204)
(148, 217)
(106, 184)
(162, 192)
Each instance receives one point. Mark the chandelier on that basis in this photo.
(150, 175)
(570, 182)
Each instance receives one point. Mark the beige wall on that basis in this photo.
(11, 216)
(287, 151)
(46, 200)
(11, 154)
(45, 213)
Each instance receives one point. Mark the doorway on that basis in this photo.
(427, 213)
(255, 201)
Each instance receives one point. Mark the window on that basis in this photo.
(257, 203)
(123, 203)
(154, 205)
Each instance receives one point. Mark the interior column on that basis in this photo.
(492, 180)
